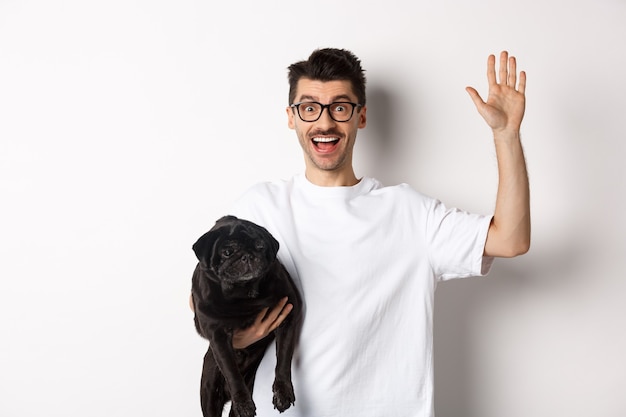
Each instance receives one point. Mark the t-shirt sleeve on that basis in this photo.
(247, 206)
(260, 204)
(456, 241)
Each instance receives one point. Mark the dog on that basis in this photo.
(237, 276)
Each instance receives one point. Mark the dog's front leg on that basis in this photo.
(222, 348)
(284, 396)
(213, 395)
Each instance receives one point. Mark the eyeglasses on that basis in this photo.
(311, 111)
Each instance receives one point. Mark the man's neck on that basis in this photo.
(332, 178)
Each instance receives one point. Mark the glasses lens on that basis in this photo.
(341, 112)
(309, 112)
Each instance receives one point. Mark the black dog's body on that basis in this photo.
(238, 276)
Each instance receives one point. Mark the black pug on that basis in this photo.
(237, 276)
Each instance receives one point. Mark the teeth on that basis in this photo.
(325, 139)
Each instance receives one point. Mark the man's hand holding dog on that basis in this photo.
(265, 323)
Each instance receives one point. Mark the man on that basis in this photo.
(367, 257)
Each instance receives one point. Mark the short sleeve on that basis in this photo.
(456, 242)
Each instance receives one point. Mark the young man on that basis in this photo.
(368, 257)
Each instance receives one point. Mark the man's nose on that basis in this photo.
(325, 119)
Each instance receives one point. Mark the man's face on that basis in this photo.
(327, 144)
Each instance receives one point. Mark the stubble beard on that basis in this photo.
(330, 164)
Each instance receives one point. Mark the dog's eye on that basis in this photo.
(227, 252)
(259, 245)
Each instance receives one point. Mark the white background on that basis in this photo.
(128, 127)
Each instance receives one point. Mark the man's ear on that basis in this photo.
(290, 118)
(362, 117)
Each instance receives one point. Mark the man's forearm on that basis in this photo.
(509, 233)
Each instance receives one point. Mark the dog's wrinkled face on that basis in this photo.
(236, 251)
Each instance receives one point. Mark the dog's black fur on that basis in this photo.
(237, 276)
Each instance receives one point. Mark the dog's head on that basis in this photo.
(235, 251)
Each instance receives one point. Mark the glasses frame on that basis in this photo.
(325, 106)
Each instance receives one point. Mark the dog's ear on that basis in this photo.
(268, 237)
(274, 242)
(207, 241)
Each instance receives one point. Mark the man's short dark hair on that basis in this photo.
(329, 64)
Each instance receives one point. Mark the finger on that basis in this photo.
(512, 80)
(275, 311)
(491, 70)
(478, 101)
(504, 57)
(260, 318)
(281, 317)
(522, 82)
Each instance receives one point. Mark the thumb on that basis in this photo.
(478, 101)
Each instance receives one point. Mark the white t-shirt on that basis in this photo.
(367, 259)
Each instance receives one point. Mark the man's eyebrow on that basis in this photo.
(341, 97)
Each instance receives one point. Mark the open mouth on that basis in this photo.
(325, 144)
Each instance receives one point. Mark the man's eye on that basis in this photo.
(339, 108)
(309, 109)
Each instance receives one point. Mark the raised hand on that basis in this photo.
(505, 105)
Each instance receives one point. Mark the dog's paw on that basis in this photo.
(244, 408)
(284, 396)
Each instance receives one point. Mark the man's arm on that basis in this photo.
(509, 232)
